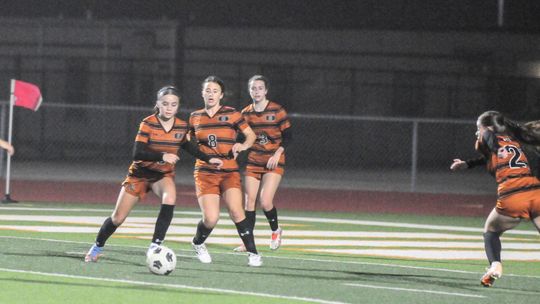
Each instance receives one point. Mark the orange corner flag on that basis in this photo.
(26, 95)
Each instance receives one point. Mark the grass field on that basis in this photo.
(325, 258)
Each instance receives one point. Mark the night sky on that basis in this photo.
(431, 15)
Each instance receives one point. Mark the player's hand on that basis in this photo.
(10, 150)
(216, 162)
(273, 161)
(458, 164)
(237, 148)
(170, 158)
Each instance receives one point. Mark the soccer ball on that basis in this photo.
(161, 260)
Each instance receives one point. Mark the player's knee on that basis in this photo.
(118, 219)
(168, 201)
(210, 221)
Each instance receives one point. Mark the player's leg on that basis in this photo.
(232, 196)
(269, 185)
(251, 190)
(124, 204)
(494, 227)
(165, 189)
(209, 204)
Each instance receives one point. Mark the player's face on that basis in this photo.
(211, 94)
(168, 106)
(257, 90)
(479, 129)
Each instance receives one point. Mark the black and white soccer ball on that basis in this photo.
(161, 260)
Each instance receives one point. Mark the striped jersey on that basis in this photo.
(511, 167)
(216, 136)
(268, 125)
(152, 133)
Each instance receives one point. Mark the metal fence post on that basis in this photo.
(414, 155)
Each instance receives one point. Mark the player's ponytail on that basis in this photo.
(528, 132)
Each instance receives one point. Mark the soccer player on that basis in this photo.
(266, 158)
(215, 127)
(156, 151)
(511, 153)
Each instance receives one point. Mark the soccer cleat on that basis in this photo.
(152, 247)
(93, 254)
(493, 273)
(240, 248)
(202, 253)
(275, 242)
(254, 260)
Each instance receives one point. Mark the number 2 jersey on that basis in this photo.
(508, 162)
(216, 135)
(269, 126)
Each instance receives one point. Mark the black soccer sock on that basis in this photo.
(202, 233)
(492, 245)
(106, 230)
(246, 234)
(250, 216)
(162, 223)
(271, 215)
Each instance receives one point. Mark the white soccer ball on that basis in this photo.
(161, 260)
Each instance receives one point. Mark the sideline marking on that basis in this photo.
(417, 290)
(177, 286)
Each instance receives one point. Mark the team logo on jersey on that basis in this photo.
(178, 135)
(270, 117)
(224, 118)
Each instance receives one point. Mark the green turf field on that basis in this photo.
(325, 258)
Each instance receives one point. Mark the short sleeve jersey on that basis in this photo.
(509, 163)
(268, 125)
(216, 135)
(152, 133)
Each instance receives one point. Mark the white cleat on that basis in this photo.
(275, 242)
(254, 260)
(493, 273)
(152, 247)
(202, 253)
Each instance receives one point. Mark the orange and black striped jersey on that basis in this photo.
(152, 133)
(216, 136)
(268, 125)
(509, 164)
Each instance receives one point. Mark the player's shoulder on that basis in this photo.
(272, 105)
(247, 109)
(196, 113)
(150, 118)
(227, 110)
(178, 122)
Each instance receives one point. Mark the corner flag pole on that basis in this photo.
(7, 197)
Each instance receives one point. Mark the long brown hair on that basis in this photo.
(528, 132)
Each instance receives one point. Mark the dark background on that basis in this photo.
(434, 15)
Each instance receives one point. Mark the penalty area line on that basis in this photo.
(175, 286)
(416, 290)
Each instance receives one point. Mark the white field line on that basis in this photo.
(280, 257)
(175, 286)
(417, 290)
(309, 219)
(429, 254)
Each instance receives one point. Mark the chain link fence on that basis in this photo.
(94, 143)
